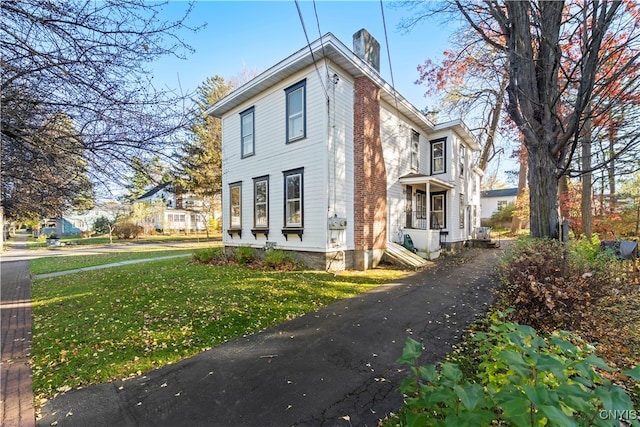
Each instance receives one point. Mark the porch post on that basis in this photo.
(428, 189)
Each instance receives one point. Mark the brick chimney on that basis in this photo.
(367, 48)
(370, 177)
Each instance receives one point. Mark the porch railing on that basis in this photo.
(419, 221)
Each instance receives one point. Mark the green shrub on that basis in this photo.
(245, 255)
(503, 216)
(278, 259)
(522, 379)
(101, 225)
(209, 256)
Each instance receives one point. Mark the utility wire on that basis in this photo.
(315, 10)
(386, 40)
(304, 28)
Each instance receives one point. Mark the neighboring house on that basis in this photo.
(321, 156)
(493, 201)
(171, 211)
(163, 193)
(74, 223)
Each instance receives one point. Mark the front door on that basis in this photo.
(409, 207)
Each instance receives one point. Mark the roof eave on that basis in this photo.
(327, 47)
(461, 129)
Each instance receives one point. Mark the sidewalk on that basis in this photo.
(16, 394)
(334, 367)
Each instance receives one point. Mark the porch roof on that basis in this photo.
(418, 178)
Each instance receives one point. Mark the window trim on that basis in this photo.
(463, 160)
(245, 113)
(433, 143)
(302, 85)
(461, 211)
(293, 228)
(262, 228)
(421, 204)
(415, 153)
(233, 228)
(432, 223)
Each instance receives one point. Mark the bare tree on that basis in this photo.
(89, 61)
(551, 89)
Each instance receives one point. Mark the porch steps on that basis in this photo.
(398, 254)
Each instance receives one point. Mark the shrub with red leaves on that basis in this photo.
(549, 286)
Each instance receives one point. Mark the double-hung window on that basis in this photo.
(296, 111)
(461, 211)
(235, 206)
(293, 198)
(438, 211)
(247, 132)
(421, 204)
(415, 150)
(437, 156)
(463, 155)
(261, 202)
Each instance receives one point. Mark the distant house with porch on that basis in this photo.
(323, 157)
(171, 211)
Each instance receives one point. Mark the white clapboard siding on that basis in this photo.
(272, 157)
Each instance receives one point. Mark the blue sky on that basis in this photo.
(254, 35)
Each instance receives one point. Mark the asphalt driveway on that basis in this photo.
(333, 367)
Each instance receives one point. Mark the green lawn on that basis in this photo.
(33, 243)
(63, 263)
(103, 325)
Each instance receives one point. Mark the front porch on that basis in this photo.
(425, 216)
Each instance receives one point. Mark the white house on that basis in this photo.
(172, 211)
(492, 201)
(321, 156)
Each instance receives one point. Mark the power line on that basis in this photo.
(304, 28)
(386, 40)
(315, 11)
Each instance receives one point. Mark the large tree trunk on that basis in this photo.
(586, 201)
(543, 193)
